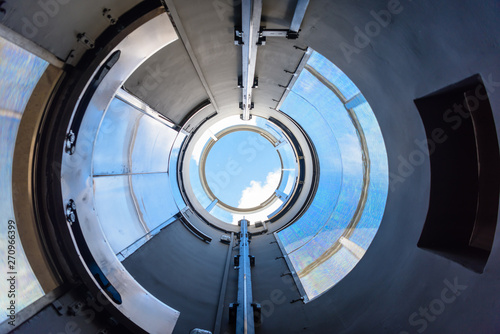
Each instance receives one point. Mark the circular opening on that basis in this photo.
(243, 169)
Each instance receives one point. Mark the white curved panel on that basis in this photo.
(137, 304)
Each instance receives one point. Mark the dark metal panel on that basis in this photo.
(168, 83)
(73, 311)
(183, 271)
(209, 26)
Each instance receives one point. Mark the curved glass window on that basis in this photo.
(19, 74)
(133, 196)
(328, 240)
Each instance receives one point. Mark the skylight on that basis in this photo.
(325, 244)
(243, 169)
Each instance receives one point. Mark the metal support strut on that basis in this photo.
(250, 36)
(246, 310)
(250, 25)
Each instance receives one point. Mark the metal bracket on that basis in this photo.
(252, 260)
(106, 12)
(85, 40)
(70, 142)
(71, 211)
(273, 32)
(233, 307)
(75, 308)
(70, 59)
(301, 299)
(257, 313)
(251, 107)
(299, 48)
(238, 36)
(292, 34)
(58, 306)
(289, 34)
(255, 83)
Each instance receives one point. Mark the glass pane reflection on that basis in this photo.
(19, 74)
(321, 247)
(132, 188)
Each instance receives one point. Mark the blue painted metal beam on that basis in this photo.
(244, 314)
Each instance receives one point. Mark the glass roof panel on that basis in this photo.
(330, 182)
(330, 238)
(116, 210)
(130, 141)
(333, 74)
(114, 142)
(152, 145)
(154, 198)
(132, 186)
(20, 71)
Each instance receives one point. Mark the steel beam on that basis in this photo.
(298, 16)
(244, 314)
(143, 107)
(251, 11)
(30, 46)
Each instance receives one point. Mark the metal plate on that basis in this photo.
(138, 305)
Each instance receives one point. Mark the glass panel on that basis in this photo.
(199, 191)
(288, 182)
(223, 215)
(172, 174)
(305, 104)
(379, 181)
(116, 210)
(114, 144)
(329, 273)
(152, 146)
(19, 74)
(154, 198)
(318, 232)
(333, 74)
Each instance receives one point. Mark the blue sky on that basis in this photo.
(243, 169)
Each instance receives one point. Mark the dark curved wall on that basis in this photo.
(425, 47)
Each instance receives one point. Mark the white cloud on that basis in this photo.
(258, 192)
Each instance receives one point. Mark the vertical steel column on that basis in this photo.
(251, 12)
(298, 16)
(244, 314)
